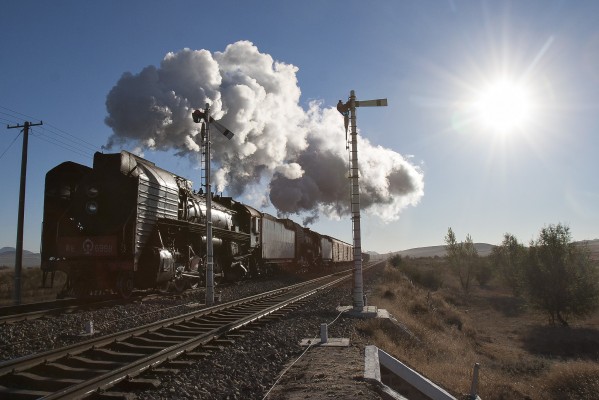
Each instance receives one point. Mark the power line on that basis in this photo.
(62, 145)
(7, 121)
(16, 112)
(55, 135)
(11, 120)
(9, 146)
(91, 145)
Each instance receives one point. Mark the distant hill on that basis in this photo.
(593, 246)
(7, 258)
(30, 259)
(6, 250)
(484, 249)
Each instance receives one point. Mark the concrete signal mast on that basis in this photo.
(206, 120)
(348, 110)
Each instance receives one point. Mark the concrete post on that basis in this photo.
(358, 295)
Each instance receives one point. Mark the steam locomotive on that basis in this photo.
(128, 224)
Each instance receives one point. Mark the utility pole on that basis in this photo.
(348, 110)
(21, 215)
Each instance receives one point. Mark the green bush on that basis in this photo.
(561, 277)
(483, 272)
(422, 275)
(396, 260)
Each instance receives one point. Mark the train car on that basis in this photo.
(342, 252)
(250, 221)
(277, 247)
(126, 223)
(273, 242)
(365, 257)
(335, 251)
(326, 250)
(310, 251)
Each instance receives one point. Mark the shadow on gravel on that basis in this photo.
(553, 341)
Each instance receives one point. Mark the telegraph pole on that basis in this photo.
(21, 215)
(348, 110)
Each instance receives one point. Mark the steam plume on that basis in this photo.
(300, 153)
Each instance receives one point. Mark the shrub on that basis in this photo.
(483, 272)
(428, 277)
(508, 259)
(396, 260)
(573, 380)
(561, 279)
(462, 257)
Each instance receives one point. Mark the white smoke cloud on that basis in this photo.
(300, 154)
(290, 171)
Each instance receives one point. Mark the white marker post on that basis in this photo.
(350, 107)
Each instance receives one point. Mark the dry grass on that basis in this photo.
(445, 332)
(573, 380)
(31, 279)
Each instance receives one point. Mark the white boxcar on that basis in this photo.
(342, 252)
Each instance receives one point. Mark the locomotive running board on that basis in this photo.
(193, 227)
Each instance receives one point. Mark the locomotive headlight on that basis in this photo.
(92, 191)
(91, 207)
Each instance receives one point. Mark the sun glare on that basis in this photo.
(503, 107)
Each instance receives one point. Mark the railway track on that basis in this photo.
(37, 310)
(29, 311)
(98, 364)
(23, 312)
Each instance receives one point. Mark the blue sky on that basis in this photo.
(430, 59)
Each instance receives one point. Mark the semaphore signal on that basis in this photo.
(348, 110)
(206, 120)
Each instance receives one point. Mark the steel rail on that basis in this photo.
(26, 362)
(37, 310)
(206, 325)
(112, 378)
(34, 310)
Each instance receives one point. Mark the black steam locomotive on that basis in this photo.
(126, 224)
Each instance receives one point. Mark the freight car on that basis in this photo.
(277, 243)
(126, 223)
(335, 251)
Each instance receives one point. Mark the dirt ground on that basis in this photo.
(512, 342)
(325, 373)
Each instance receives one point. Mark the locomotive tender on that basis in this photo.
(126, 223)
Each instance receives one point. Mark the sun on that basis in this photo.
(503, 106)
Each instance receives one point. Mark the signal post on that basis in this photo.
(206, 120)
(348, 110)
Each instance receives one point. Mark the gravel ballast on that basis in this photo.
(246, 369)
